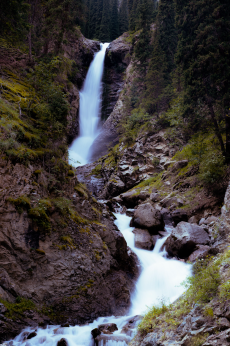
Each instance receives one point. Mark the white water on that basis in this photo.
(89, 115)
(160, 279)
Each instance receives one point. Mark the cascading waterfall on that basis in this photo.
(89, 115)
(160, 279)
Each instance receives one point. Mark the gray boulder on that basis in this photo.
(184, 239)
(201, 252)
(146, 216)
(143, 239)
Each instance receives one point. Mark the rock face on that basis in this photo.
(82, 270)
(184, 239)
(145, 216)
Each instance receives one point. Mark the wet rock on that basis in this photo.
(167, 218)
(201, 252)
(155, 239)
(62, 342)
(146, 216)
(130, 326)
(110, 327)
(31, 335)
(65, 325)
(184, 239)
(142, 239)
(95, 332)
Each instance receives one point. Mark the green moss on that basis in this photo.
(18, 308)
(97, 170)
(20, 203)
(40, 252)
(69, 242)
(71, 173)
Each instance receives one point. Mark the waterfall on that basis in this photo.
(90, 108)
(160, 279)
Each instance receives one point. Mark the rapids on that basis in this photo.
(160, 279)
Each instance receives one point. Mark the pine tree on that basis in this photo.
(114, 25)
(133, 14)
(203, 54)
(123, 17)
(104, 33)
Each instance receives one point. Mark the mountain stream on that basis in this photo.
(160, 279)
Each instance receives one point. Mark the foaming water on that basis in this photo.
(160, 278)
(89, 114)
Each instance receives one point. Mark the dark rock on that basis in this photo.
(3, 309)
(167, 218)
(111, 327)
(223, 323)
(95, 332)
(222, 339)
(31, 335)
(66, 325)
(178, 165)
(155, 197)
(201, 252)
(178, 216)
(193, 219)
(62, 342)
(130, 198)
(146, 216)
(184, 239)
(142, 239)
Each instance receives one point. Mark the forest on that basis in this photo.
(165, 95)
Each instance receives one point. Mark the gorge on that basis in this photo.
(114, 173)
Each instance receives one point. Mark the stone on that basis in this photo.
(178, 216)
(167, 218)
(130, 326)
(155, 197)
(111, 327)
(142, 239)
(201, 252)
(3, 309)
(193, 219)
(223, 323)
(130, 198)
(146, 216)
(62, 342)
(184, 239)
(95, 332)
(178, 165)
(220, 339)
(32, 335)
(143, 195)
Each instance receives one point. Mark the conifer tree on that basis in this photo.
(203, 54)
(104, 33)
(123, 17)
(114, 25)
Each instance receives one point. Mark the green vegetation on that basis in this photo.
(20, 203)
(20, 306)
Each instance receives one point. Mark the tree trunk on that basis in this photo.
(216, 127)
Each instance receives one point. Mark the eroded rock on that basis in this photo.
(184, 239)
(142, 239)
(146, 216)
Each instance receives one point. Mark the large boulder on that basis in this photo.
(184, 239)
(130, 198)
(110, 327)
(146, 216)
(142, 239)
